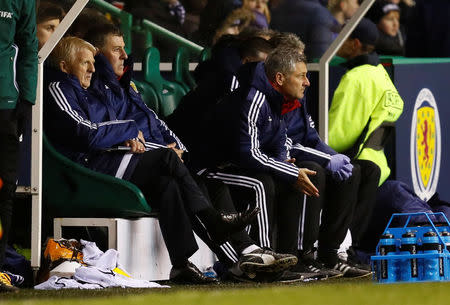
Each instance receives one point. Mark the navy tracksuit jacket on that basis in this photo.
(127, 103)
(249, 128)
(81, 126)
(303, 139)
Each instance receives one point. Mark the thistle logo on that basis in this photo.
(425, 145)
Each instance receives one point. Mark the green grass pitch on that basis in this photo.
(343, 292)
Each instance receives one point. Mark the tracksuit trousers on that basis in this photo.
(277, 224)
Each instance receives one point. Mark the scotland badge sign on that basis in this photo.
(425, 145)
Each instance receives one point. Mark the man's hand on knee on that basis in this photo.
(305, 185)
(178, 151)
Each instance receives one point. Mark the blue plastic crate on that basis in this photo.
(397, 266)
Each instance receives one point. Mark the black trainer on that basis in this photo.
(190, 275)
(354, 260)
(229, 223)
(316, 267)
(348, 270)
(266, 261)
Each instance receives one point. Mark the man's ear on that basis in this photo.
(63, 66)
(357, 44)
(279, 79)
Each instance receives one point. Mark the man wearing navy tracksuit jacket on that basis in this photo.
(82, 124)
(252, 135)
(251, 141)
(348, 189)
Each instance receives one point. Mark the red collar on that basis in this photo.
(290, 106)
(125, 69)
(287, 106)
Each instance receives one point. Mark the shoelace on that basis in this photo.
(5, 279)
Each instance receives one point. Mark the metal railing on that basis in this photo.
(36, 134)
(159, 31)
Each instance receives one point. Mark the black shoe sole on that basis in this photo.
(329, 277)
(359, 276)
(279, 265)
(196, 282)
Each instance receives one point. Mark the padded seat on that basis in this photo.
(71, 190)
(169, 93)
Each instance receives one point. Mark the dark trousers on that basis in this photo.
(173, 193)
(337, 201)
(278, 201)
(12, 124)
(365, 205)
(220, 197)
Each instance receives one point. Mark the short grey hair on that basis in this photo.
(66, 50)
(286, 39)
(283, 60)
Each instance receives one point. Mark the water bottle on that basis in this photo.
(387, 268)
(431, 245)
(408, 267)
(446, 239)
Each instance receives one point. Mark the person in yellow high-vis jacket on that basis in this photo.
(366, 103)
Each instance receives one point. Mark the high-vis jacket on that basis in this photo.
(252, 133)
(82, 127)
(128, 104)
(365, 106)
(18, 52)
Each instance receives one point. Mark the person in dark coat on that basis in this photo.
(310, 20)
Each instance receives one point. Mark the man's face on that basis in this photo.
(82, 66)
(294, 84)
(114, 51)
(349, 8)
(45, 29)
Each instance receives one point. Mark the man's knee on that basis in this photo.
(311, 165)
(320, 177)
(369, 169)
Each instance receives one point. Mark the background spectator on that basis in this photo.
(343, 10)
(406, 10)
(48, 17)
(310, 20)
(260, 11)
(193, 11)
(215, 12)
(233, 24)
(387, 18)
(170, 14)
(87, 19)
